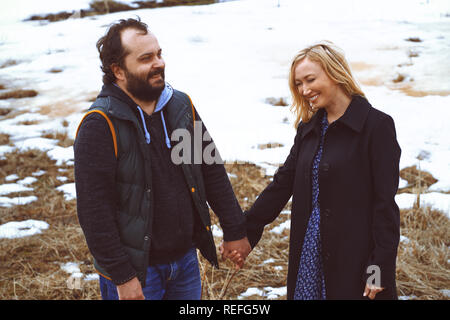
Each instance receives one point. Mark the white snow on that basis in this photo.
(69, 191)
(404, 239)
(274, 293)
(279, 229)
(13, 187)
(270, 260)
(268, 292)
(91, 277)
(27, 181)
(43, 144)
(38, 173)
(446, 292)
(21, 229)
(61, 155)
(407, 297)
(251, 292)
(216, 231)
(62, 179)
(17, 201)
(436, 200)
(73, 268)
(12, 177)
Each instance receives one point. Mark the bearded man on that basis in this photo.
(143, 216)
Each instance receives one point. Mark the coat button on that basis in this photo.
(326, 167)
(327, 213)
(146, 238)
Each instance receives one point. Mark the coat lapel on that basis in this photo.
(356, 114)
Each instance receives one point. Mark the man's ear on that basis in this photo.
(118, 72)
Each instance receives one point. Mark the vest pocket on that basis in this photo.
(132, 230)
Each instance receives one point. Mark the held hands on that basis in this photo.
(237, 251)
(371, 291)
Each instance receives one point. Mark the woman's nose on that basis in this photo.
(306, 90)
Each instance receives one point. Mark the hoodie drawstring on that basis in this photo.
(165, 130)
(147, 134)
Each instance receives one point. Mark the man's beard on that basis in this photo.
(141, 89)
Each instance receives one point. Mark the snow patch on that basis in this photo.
(22, 229)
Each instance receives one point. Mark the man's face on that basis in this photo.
(144, 65)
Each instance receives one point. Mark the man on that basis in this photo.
(142, 214)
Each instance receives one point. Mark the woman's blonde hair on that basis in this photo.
(333, 62)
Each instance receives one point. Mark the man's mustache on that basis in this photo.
(156, 72)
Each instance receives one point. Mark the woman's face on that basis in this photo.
(314, 85)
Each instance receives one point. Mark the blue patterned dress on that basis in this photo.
(310, 278)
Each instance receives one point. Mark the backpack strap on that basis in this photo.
(111, 127)
(193, 110)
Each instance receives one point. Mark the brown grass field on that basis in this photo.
(30, 267)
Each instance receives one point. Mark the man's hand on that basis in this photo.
(237, 251)
(131, 290)
(371, 291)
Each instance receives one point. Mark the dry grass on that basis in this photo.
(30, 267)
(4, 111)
(18, 94)
(4, 138)
(66, 107)
(8, 63)
(100, 7)
(63, 137)
(423, 268)
(270, 145)
(278, 102)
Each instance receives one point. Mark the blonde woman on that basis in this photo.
(343, 173)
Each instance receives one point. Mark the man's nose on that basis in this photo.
(159, 63)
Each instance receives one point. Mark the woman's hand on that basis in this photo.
(371, 291)
(236, 251)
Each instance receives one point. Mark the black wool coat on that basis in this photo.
(358, 180)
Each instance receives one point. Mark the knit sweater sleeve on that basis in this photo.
(95, 167)
(220, 194)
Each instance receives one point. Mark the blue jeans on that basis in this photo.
(178, 280)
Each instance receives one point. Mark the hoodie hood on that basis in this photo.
(115, 91)
(165, 96)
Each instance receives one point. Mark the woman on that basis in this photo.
(343, 174)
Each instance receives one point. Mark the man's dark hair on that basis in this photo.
(111, 49)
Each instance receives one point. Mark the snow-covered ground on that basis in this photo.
(229, 57)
